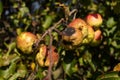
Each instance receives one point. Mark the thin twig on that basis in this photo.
(49, 30)
(59, 32)
(48, 77)
(74, 11)
(32, 76)
(51, 60)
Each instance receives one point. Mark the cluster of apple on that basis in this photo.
(25, 42)
(80, 31)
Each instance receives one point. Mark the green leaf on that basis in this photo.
(5, 60)
(111, 78)
(114, 44)
(8, 72)
(117, 7)
(70, 68)
(1, 8)
(111, 22)
(40, 74)
(48, 22)
(10, 47)
(22, 70)
(15, 76)
(114, 75)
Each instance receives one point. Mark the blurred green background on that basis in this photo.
(36, 16)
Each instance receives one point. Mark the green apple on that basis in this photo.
(90, 36)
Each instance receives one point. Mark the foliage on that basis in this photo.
(83, 62)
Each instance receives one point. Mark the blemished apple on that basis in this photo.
(80, 24)
(75, 32)
(75, 38)
(25, 42)
(43, 56)
(94, 19)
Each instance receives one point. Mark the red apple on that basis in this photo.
(98, 34)
(25, 41)
(75, 32)
(97, 38)
(94, 20)
(43, 56)
(77, 23)
(54, 57)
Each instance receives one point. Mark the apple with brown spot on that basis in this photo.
(44, 56)
(80, 24)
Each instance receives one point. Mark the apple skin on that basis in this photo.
(117, 67)
(90, 36)
(98, 34)
(80, 32)
(94, 19)
(54, 57)
(43, 56)
(25, 41)
(80, 24)
(97, 38)
(75, 39)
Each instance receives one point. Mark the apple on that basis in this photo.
(117, 67)
(90, 35)
(77, 23)
(43, 56)
(98, 34)
(75, 38)
(25, 41)
(97, 38)
(75, 32)
(94, 19)
(80, 24)
(54, 57)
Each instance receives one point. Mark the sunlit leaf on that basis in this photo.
(8, 72)
(111, 78)
(48, 22)
(70, 68)
(114, 44)
(22, 70)
(111, 22)
(114, 75)
(40, 74)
